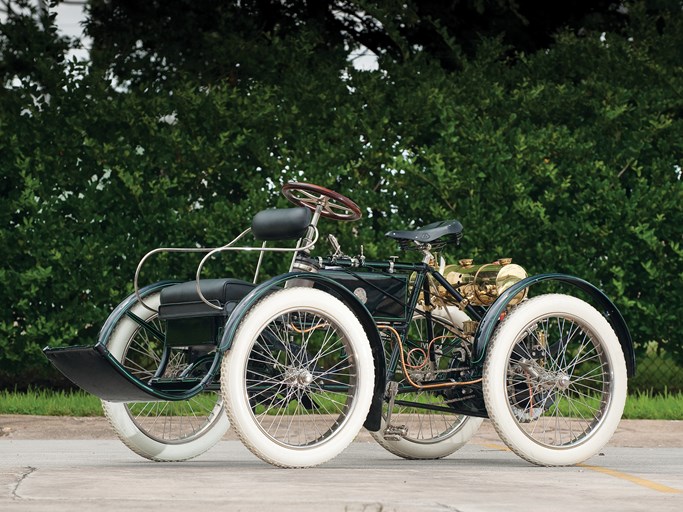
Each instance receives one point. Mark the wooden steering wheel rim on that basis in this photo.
(352, 209)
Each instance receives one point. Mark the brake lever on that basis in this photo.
(336, 247)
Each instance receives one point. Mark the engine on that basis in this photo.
(482, 284)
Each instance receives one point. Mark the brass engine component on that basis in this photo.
(482, 284)
(469, 327)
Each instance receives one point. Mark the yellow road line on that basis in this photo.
(611, 472)
(633, 479)
(493, 446)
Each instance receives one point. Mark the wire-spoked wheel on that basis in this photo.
(423, 426)
(298, 379)
(161, 431)
(555, 380)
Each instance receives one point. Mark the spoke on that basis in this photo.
(144, 352)
(338, 378)
(582, 394)
(342, 210)
(276, 405)
(332, 350)
(595, 372)
(260, 382)
(138, 370)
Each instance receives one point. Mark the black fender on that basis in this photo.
(335, 289)
(604, 304)
(125, 305)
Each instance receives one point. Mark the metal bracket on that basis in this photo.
(393, 432)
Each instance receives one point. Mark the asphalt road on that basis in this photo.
(102, 474)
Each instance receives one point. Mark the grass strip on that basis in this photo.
(646, 406)
(46, 402)
(665, 406)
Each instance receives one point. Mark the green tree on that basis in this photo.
(566, 160)
(242, 40)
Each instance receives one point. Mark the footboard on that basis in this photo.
(96, 371)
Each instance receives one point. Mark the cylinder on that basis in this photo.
(482, 284)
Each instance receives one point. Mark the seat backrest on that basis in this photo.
(281, 224)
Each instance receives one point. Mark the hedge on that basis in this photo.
(567, 160)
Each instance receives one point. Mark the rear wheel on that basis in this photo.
(162, 431)
(428, 434)
(298, 379)
(417, 432)
(555, 380)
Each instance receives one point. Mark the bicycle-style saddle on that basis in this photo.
(446, 231)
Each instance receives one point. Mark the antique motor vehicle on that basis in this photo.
(416, 352)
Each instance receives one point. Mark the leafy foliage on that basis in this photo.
(566, 160)
(238, 40)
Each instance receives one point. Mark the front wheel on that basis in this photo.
(161, 431)
(555, 380)
(298, 379)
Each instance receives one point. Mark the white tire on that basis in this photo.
(555, 380)
(160, 431)
(298, 379)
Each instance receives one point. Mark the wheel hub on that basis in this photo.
(545, 379)
(299, 377)
(562, 381)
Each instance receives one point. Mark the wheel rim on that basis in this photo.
(558, 382)
(166, 422)
(301, 378)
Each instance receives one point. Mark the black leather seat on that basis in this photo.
(281, 224)
(220, 292)
(192, 322)
(189, 320)
(452, 229)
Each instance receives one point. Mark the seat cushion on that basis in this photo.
(182, 300)
(190, 322)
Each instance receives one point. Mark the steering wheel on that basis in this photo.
(334, 205)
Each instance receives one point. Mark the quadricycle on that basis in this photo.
(418, 353)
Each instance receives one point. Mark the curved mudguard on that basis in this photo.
(605, 305)
(374, 418)
(125, 305)
(95, 370)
